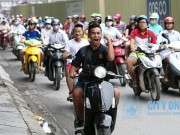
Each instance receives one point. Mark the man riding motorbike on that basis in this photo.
(46, 30)
(31, 33)
(72, 48)
(56, 35)
(138, 36)
(90, 57)
(173, 36)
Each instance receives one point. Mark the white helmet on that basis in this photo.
(48, 21)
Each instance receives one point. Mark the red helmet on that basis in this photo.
(83, 17)
(168, 19)
(117, 16)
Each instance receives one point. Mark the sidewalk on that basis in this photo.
(16, 117)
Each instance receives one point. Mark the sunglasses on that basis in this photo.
(32, 24)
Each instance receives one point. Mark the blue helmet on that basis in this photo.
(142, 17)
(55, 21)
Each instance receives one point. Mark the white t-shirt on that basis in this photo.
(72, 47)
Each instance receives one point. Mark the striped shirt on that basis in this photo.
(121, 27)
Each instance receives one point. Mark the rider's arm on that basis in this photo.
(65, 37)
(110, 54)
(132, 48)
(153, 38)
(119, 35)
(127, 33)
(76, 63)
(67, 50)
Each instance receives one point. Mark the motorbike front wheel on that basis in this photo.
(32, 70)
(57, 78)
(18, 54)
(103, 131)
(156, 88)
(4, 45)
(122, 71)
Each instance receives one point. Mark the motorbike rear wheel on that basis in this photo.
(122, 71)
(156, 88)
(32, 70)
(57, 78)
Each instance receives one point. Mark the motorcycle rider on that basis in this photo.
(67, 25)
(153, 25)
(120, 25)
(75, 21)
(45, 31)
(56, 35)
(138, 36)
(72, 48)
(16, 27)
(31, 33)
(132, 25)
(173, 36)
(90, 56)
(83, 20)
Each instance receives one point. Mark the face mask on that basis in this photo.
(56, 27)
(109, 24)
(153, 22)
(48, 26)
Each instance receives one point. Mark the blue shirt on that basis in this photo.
(32, 34)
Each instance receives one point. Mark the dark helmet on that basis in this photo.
(108, 18)
(142, 17)
(55, 21)
(133, 17)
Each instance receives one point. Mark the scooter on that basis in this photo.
(17, 45)
(174, 61)
(147, 71)
(32, 58)
(119, 61)
(4, 39)
(99, 105)
(56, 64)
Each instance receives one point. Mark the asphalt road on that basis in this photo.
(136, 116)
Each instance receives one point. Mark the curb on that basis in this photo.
(32, 126)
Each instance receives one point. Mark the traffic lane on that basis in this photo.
(138, 116)
(127, 122)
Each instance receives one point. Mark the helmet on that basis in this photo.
(168, 19)
(133, 17)
(33, 21)
(21, 15)
(17, 16)
(154, 15)
(98, 15)
(117, 16)
(48, 21)
(69, 17)
(142, 17)
(55, 21)
(83, 17)
(108, 18)
(76, 16)
(46, 17)
(93, 15)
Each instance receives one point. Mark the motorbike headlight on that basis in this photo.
(100, 72)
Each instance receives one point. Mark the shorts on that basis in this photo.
(68, 66)
(136, 55)
(79, 84)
